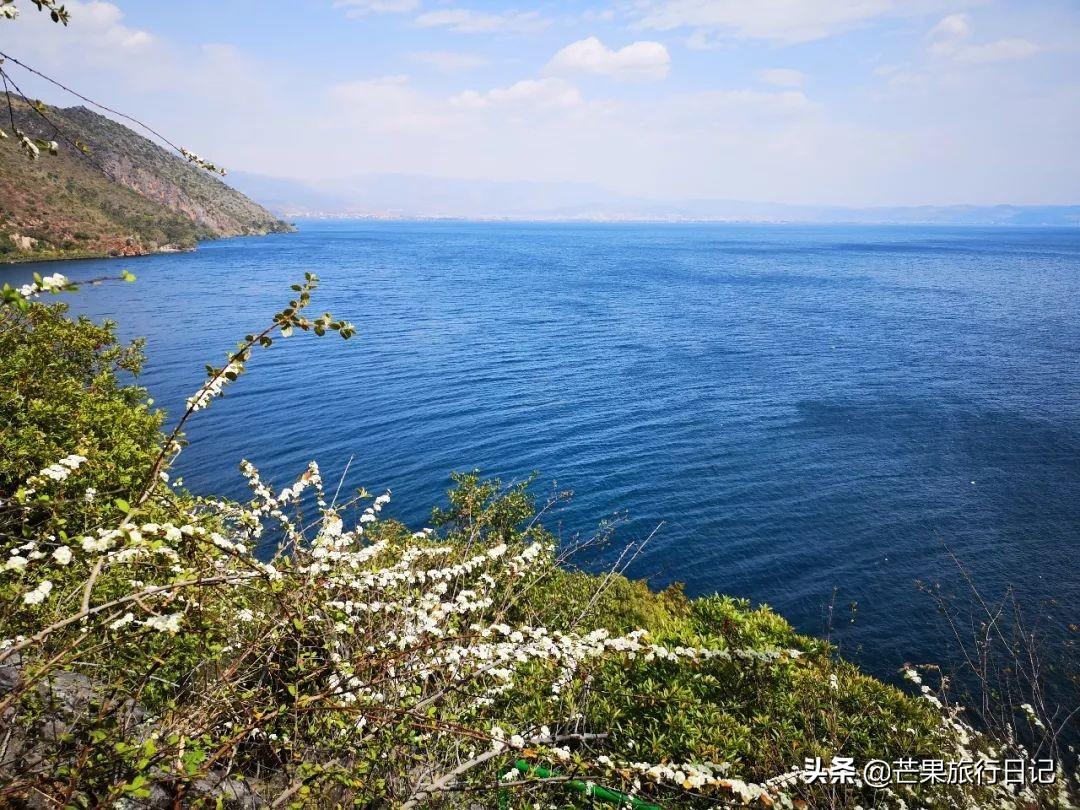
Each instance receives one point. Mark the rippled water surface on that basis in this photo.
(803, 409)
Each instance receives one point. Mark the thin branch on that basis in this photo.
(90, 101)
(447, 780)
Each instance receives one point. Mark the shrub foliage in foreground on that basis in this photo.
(297, 649)
(60, 394)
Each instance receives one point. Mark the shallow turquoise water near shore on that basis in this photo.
(803, 409)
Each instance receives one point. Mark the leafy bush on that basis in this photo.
(62, 391)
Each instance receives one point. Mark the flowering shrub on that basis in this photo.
(60, 396)
(304, 649)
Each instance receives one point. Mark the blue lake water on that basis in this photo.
(803, 409)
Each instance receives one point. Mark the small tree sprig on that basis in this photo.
(218, 377)
(20, 297)
(191, 157)
(57, 12)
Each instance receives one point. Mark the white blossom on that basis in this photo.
(165, 624)
(126, 619)
(39, 594)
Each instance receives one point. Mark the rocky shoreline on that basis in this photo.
(116, 249)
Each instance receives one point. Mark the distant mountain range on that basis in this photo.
(400, 196)
(130, 196)
(127, 197)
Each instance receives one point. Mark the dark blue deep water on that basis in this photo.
(803, 409)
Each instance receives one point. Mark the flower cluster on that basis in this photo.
(53, 474)
(402, 617)
(33, 147)
(57, 12)
(57, 282)
(284, 322)
(39, 593)
(192, 158)
(63, 468)
(213, 387)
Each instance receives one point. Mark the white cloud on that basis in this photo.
(593, 15)
(386, 104)
(748, 104)
(100, 56)
(467, 21)
(780, 21)
(640, 60)
(1002, 50)
(951, 28)
(102, 23)
(96, 37)
(449, 61)
(950, 39)
(544, 93)
(361, 8)
(782, 77)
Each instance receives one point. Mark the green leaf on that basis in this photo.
(136, 783)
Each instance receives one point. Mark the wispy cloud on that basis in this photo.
(449, 61)
(361, 8)
(386, 104)
(949, 30)
(951, 38)
(640, 60)
(101, 37)
(782, 22)
(1001, 50)
(467, 21)
(544, 93)
(782, 77)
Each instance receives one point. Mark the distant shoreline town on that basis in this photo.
(360, 216)
(411, 197)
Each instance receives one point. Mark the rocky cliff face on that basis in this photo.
(129, 196)
(158, 175)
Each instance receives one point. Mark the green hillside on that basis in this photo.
(127, 197)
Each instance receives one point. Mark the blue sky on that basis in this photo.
(859, 102)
